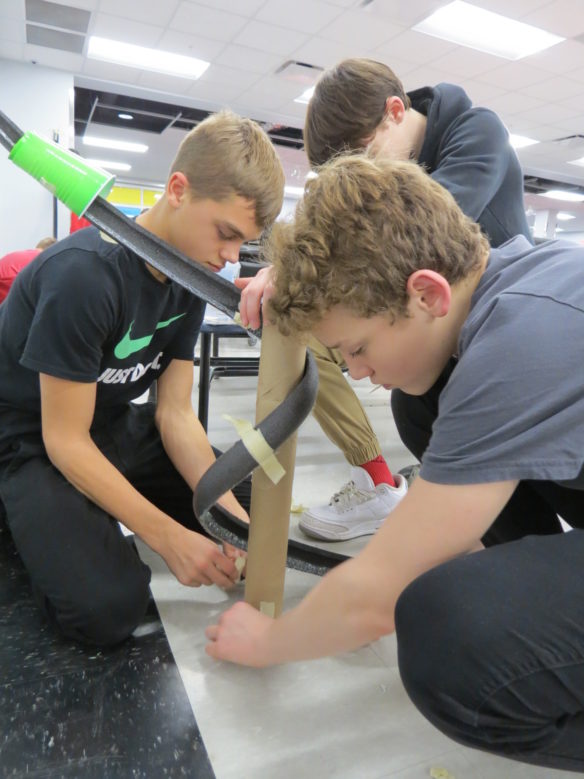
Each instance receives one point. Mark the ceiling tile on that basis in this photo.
(514, 9)
(324, 53)
(403, 12)
(557, 89)
(219, 74)
(561, 58)
(268, 37)
(152, 11)
(556, 114)
(57, 15)
(127, 30)
(108, 71)
(206, 22)
(426, 76)
(353, 26)
(415, 46)
(54, 39)
(514, 75)
(541, 133)
(465, 62)
(271, 91)
(221, 94)
(190, 45)
(573, 125)
(163, 83)
(244, 7)
(482, 94)
(561, 17)
(514, 102)
(305, 15)
(243, 57)
(87, 5)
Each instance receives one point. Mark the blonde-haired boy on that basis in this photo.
(87, 328)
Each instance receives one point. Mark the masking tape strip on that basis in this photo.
(258, 447)
(268, 608)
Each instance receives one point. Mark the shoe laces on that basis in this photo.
(349, 495)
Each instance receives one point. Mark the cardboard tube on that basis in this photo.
(281, 365)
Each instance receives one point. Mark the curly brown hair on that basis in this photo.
(364, 226)
(348, 106)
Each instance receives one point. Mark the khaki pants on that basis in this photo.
(339, 411)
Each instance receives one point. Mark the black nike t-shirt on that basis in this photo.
(89, 310)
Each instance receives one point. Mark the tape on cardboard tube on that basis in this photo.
(258, 447)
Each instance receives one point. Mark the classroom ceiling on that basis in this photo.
(264, 53)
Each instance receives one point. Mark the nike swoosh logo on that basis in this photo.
(128, 345)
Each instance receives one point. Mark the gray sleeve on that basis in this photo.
(514, 405)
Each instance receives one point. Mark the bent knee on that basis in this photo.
(110, 616)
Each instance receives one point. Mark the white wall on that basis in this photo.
(37, 99)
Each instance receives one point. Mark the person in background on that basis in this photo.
(11, 264)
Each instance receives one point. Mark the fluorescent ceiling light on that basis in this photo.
(147, 59)
(294, 191)
(563, 216)
(106, 143)
(127, 117)
(561, 194)
(486, 31)
(521, 141)
(110, 165)
(577, 162)
(305, 96)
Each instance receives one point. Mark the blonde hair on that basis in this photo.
(44, 243)
(347, 107)
(363, 227)
(228, 155)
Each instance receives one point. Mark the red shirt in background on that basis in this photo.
(10, 265)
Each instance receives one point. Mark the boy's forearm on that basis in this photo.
(344, 611)
(355, 603)
(188, 447)
(92, 474)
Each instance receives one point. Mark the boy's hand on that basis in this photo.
(256, 290)
(241, 636)
(196, 560)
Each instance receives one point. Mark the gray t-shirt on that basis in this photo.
(513, 407)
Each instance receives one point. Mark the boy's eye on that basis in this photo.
(225, 236)
(357, 352)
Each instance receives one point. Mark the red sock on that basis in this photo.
(379, 471)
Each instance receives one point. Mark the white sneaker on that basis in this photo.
(357, 510)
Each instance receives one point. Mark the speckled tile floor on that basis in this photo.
(157, 706)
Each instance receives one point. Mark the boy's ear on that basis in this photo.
(430, 291)
(394, 109)
(177, 188)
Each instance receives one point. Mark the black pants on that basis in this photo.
(527, 512)
(491, 645)
(491, 649)
(86, 576)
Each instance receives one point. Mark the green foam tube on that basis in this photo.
(67, 176)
